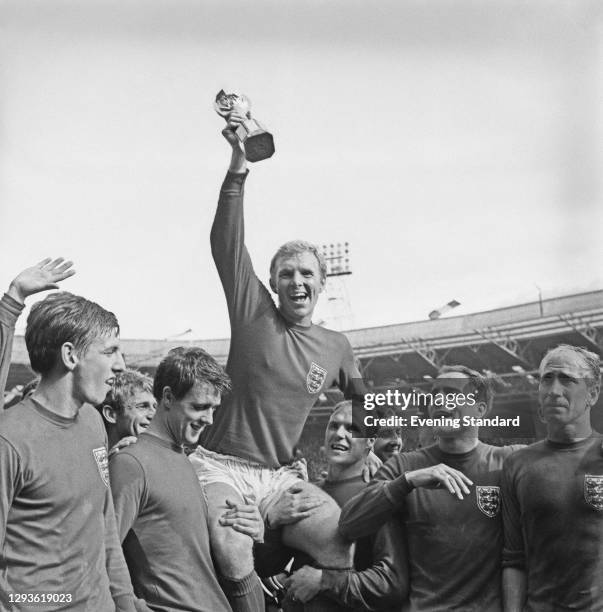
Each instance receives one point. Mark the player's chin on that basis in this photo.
(192, 433)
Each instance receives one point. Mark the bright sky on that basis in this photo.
(456, 145)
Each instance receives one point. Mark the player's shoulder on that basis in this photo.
(524, 454)
(500, 452)
(20, 422)
(414, 460)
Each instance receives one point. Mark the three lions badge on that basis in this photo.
(102, 462)
(488, 500)
(315, 378)
(593, 491)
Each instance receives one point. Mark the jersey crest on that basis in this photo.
(593, 491)
(102, 462)
(488, 500)
(315, 378)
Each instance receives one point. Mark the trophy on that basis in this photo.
(257, 142)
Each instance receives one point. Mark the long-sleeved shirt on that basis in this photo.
(553, 523)
(379, 580)
(10, 310)
(453, 546)
(57, 525)
(162, 520)
(278, 369)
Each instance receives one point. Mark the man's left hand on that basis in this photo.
(304, 584)
(244, 518)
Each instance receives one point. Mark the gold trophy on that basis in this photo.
(257, 142)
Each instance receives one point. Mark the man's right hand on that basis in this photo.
(437, 476)
(238, 163)
(46, 274)
(295, 504)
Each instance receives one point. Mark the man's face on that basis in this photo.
(189, 416)
(95, 370)
(136, 414)
(340, 447)
(447, 385)
(387, 444)
(564, 395)
(297, 282)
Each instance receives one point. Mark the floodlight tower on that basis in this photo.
(339, 314)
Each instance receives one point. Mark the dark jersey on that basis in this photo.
(278, 369)
(553, 520)
(162, 520)
(454, 546)
(57, 527)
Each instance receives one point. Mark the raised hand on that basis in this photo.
(46, 274)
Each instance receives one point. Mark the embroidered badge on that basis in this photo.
(315, 378)
(102, 462)
(488, 500)
(593, 491)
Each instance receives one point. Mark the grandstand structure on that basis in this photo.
(506, 344)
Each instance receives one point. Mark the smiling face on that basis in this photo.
(297, 281)
(189, 416)
(136, 414)
(387, 444)
(341, 447)
(95, 369)
(564, 392)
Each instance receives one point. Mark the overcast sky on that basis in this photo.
(456, 145)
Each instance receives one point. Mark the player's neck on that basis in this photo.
(160, 427)
(457, 445)
(56, 394)
(338, 472)
(572, 432)
(305, 321)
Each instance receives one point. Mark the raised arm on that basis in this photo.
(44, 275)
(244, 292)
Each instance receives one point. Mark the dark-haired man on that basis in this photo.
(553, 495)
(161, 511)
(58, 537)
(454, 535)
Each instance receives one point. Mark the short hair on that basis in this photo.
(125, 386)
(590, 360)
(343, 405)
(183, 367)
(482, 384)
(296, 247)
(63, 317)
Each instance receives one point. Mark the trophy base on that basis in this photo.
(258, 143)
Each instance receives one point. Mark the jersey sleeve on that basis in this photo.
(513, 548)
(377, 503)
(245, 295)
(128, 488)
(117, 570)
(10, 483)
(350, 380)
(10, 310)
(384, 584)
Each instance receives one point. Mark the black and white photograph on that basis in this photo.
(301, 306)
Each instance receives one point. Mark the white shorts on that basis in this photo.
(256, 482)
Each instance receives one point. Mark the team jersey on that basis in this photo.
(57, 526)
(454, 546)
(278, 369)
(553, 522)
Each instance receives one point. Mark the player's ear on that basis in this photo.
(593, 394)
(167, 396)
(68, 356)
(109, 414)
(272, 284)
(482, 409)
(370, 442)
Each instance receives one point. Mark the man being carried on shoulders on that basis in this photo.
(279, 362)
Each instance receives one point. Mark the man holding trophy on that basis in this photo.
(279, 362)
